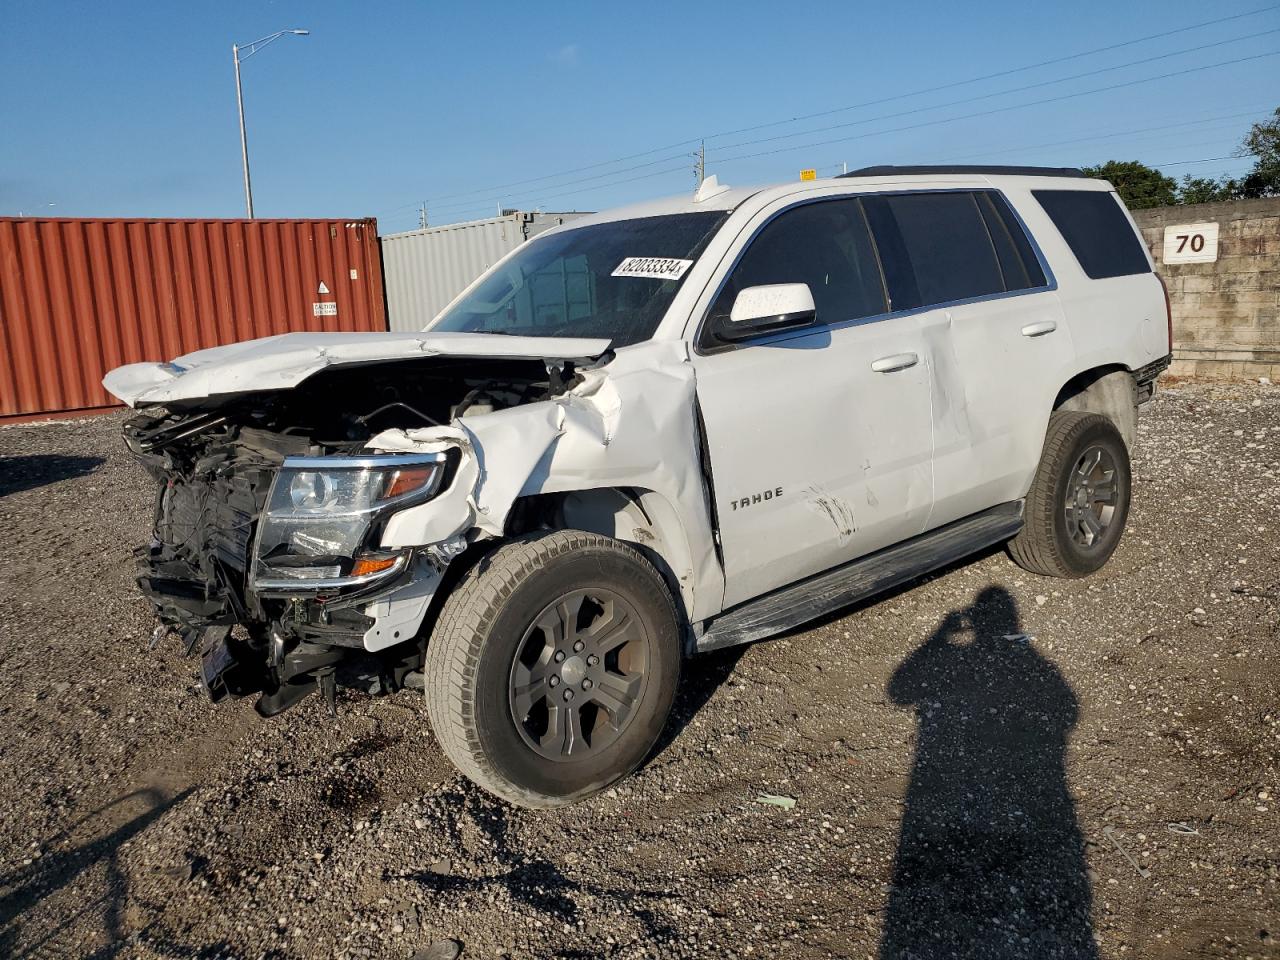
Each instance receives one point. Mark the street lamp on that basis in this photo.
(250, 49)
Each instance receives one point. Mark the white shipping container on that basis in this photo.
(424, 269)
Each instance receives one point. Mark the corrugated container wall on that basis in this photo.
(79, 297)
(425, 269)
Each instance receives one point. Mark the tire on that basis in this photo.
(1058, 539)
(533, 610)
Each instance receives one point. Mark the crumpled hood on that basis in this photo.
(284, 361)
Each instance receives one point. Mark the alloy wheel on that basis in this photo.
(578, 674)
(1090, 502)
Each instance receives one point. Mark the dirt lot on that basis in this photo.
(987, 764)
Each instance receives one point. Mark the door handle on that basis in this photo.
(899, 361)
(1039, 329)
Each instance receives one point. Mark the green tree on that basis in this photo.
(1205, 190)
(1263, 142)
(1138, 185)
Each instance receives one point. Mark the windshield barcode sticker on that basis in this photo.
(660, 268)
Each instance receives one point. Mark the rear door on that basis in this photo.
(820, 440)
(997, 337)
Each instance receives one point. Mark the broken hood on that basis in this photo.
(284, 361)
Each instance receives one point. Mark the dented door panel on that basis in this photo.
(816, 457)
(993, 388)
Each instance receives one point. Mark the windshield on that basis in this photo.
(611, 280)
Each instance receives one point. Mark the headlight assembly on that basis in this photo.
(320, 514)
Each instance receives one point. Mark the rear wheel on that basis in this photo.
(553, 667)
(1079, 500)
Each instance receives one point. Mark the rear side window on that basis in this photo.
(826, 245)
(1018, 261)
(1097, 231)
(947, 246)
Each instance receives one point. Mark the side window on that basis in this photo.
(1096, 230)
(942, 250)
(1018, 262)
(826, 245)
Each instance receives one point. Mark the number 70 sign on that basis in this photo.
(1191, 243)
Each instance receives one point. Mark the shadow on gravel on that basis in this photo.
(990, 859)
(37, 470)
(25, 887)
(535, 882)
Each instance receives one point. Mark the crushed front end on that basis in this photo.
(269, 553)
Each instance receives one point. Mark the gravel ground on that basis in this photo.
(986, 764)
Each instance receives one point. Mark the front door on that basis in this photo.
(820, 439)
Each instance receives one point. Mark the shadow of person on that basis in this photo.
(990, 860)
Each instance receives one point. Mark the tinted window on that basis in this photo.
(1096, 230)
(1018, 262)
(826, 245)
(946, 244)
(899, 276)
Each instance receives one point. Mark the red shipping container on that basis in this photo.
(80, 297)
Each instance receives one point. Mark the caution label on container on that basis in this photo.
(324, 309)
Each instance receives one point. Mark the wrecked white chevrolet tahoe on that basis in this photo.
(650, 433)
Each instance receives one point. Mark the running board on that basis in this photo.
(809, 599)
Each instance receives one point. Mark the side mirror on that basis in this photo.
(767, 309)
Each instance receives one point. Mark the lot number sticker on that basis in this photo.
(659, 268)
(1191, 243)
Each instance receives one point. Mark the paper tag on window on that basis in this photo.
(660, 268)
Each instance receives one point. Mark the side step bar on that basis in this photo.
(809, 599)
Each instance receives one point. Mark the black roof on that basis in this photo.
(889, 170)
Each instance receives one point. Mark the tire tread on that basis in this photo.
(1036, 548)
(453, 653)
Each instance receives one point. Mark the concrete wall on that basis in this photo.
(1226, 314)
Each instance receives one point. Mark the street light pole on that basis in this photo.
(251, 49)
(244, 143)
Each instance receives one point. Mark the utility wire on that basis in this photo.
(683, 168)
(997, 93)
(599, 176)
(997, 151)
(914, 93)
(489, 204)
(1180, 163)
(1004, 109)
(473, 204)
(1001, 73)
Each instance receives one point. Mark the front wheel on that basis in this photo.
(1079, 500)
(553, 667)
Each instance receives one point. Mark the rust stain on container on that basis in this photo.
(79, 297)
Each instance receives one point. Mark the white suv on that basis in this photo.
(652, 432)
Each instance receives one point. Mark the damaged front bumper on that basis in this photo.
(293, 555)
(320, 642)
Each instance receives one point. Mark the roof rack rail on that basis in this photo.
(889, 170)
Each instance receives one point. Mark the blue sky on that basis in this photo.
(128, 109)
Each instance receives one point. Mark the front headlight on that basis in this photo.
(321, 511)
